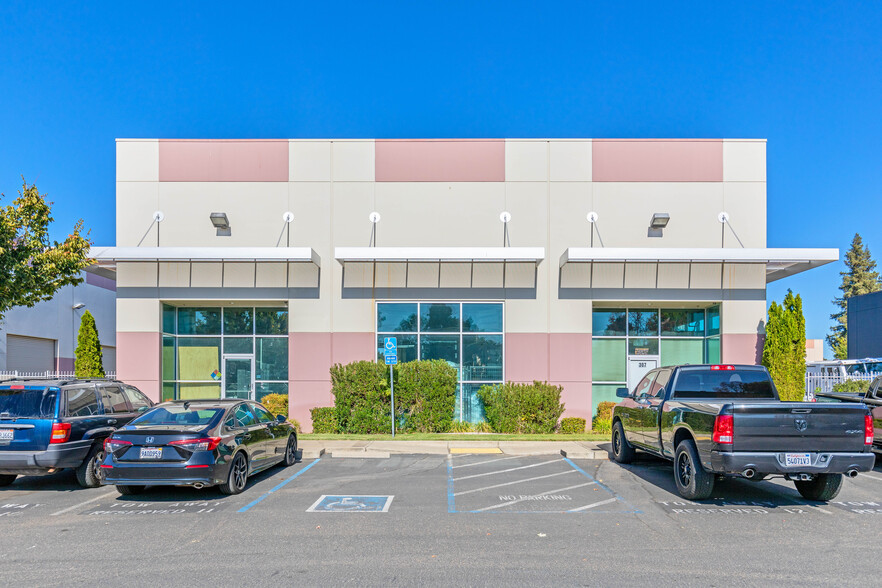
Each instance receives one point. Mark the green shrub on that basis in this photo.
(522, 408)
(604, 410)
(852, 386)
(464, 427)
(602, 426)
(278, 404)
(572, 425)
(324, 419)
(425, 395)
(89, 359)
(361, 397)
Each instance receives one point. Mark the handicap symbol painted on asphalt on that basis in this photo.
(336, 503)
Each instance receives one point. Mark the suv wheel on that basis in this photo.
(89, 474)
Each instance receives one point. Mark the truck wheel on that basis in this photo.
(622, 451)
(823, 488)
(7, 479)
(693, 483)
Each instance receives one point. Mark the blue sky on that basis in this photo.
(807, 76)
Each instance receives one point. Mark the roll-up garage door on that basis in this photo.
(29, 354)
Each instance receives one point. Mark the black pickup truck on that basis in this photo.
(872, 398)
(726, 420)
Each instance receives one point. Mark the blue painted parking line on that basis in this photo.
(451, 502)
(601, 485)
(245, 508)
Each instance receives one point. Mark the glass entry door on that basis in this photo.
(239, 376)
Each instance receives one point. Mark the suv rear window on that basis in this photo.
(705, 383)
(32, 403)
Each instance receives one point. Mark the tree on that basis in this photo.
(33, 268)
(784, 347)
(89, 361)
(859, 279)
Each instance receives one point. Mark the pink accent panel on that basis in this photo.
(309, 356)
(526, 357)
(101, 282)
(304, 396)
(223, 161)
(65, 364)
(440, 160)
(570, 357)
(657, 160)
(137, 356)
(576, 397)
(149, 387)
(349, 347)
(742, 348)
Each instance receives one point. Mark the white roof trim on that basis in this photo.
(445, 254)
(111, 255)
(780, 263)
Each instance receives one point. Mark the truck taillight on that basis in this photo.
(868, 430)
(727, 368)
(724, 429)
(60, 433)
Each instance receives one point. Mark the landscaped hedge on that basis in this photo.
(572, 425)
(425, 395)
(852, 386)
(277, 404)
(324, 419)
(602, 423)
(522, 408)
(361, 397)
(604, 410)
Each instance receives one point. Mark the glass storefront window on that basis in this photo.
(482, 357)
(199, 321)
(444, 347)
(168, 358)
(238, 345)
(168, 319)
(238, 321)
(713, 320)
(642, 346)
(608, 360)
(198, 357)
(482, 318)
(436, 317)
(680, 351)
(397, 317)
(198, 391)
(682, 323)
(643, 323)
(264, 388)
(271, 358)
(168, 391)
(608, 323)
(271, 321)
(468, 406)
(713, 350)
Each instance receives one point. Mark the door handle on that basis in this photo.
(111, 421)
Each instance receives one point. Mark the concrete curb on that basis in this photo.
(584, 454)
(361, 453)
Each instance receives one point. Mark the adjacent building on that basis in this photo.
(865, 326)
(250, 267)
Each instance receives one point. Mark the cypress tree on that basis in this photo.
(784, 347)
(859, 279)
(89, 361)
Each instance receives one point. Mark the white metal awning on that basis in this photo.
(440, 254)
(779, 263)
(110, 256)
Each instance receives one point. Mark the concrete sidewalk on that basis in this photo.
(313, 449)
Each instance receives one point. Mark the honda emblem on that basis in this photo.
(152, 439)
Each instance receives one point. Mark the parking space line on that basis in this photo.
(451, 503)
(602, 485)
(532, 465)
(877, 478)
(466, 465)
(601, 503)
(515, 482)
(510, 502)
(90, 501)
(245, 508)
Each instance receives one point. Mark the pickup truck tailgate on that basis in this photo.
(799, 426)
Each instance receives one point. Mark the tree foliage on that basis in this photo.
(33, 268)
(784, 348)
(89, 362)
(859, 279)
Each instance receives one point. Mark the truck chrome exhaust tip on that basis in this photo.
(198, 485)
(852, 473)
(748, 473)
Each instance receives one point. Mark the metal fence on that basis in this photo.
(824, 383)
(47, 374)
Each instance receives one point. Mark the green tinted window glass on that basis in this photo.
(168, 319)
(682, 323)
(713, 320)
(482, 318)
(713, 350)
(482, 357)
(439, 317)
(199, 358)
(168, 358)
(264, 388)
(271, 358)
(168, 391)
(238, 345)
(271, 321)
(238, 321)
(642, 323)
(607, 322)
(444, 347)
(397, 317)
(603, 393)
(407, 348)
(680, 351)
(608, 360)
(199, 321)
(643, 346)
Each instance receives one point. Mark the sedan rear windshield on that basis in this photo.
(31, 403)
(723, 384)
(178, 415)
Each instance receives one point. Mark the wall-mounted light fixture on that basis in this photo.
(78, 306)
(219, 220)
(658, 223)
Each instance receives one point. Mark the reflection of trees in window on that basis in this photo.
(643, 322)
(406, 325)
(237, 321)
(616, 323)
(272, 321)
(440, 317)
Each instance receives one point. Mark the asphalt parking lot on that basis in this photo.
(459, 519)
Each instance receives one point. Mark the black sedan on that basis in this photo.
(197, 443)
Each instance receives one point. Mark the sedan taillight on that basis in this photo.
(205, 444)
(112, 445)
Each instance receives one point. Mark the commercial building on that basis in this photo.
(865, 326)
(249, 267)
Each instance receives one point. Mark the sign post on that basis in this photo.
(390, 353)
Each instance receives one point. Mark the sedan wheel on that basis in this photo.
(238, 476)
(291, 451)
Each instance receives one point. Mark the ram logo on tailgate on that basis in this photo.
(800, 424)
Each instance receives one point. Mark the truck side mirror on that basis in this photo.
(622, 393)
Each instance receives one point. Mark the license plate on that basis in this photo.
(151, 452)
(797, 459)
(7, 434)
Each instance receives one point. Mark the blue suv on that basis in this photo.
(47, 425)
